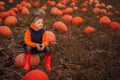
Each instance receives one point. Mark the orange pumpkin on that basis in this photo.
(2, 3)
(12, 13)
(96, 10)
(88, 30)
(105, 20)
(59, 5)
(56, 11)
(84, 9)
(10, 20)
(5, 31)
(77, 20)
(4, 15)
(11, 1)
(67, 10)
(51, 37)
(2, 7)
(25, 10)
(103, 11)
(36, 75)
(36, 4)
(15, 9)
(20, 61)
(60, 26)
(67, 18)
(114, 25)
(44, 7)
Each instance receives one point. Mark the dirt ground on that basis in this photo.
(76, 56)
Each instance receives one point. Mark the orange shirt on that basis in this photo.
(27, 38)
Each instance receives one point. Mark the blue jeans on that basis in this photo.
(35, 51)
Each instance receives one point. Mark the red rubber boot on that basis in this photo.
(27, 61)
(48, 57)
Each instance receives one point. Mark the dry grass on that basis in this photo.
(76, 56)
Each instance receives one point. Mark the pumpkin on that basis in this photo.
(44, 7)
(10, 20)
(36, 4)
(109, 7)
(5, 31)
(20, 7)
(59, 5)
(20, 60)
(2, 3)
(96, 1)
(12, 13)
(51, 37)
(97, 5)
(67, 18)
(103, 11)
(36, 75)
(11, 1)
(103, 4)
(2, 7)
(84, 9)
(96, 10)
(60, 26)
(83, 5)
(25, 10)
(73, 4)
(88, 30)
(105, 20)
(75, 8)
(67, 10)
(77, 20)
(15, 9)
(56, 11)
(4, 15)
(28, 5)
(114, 25)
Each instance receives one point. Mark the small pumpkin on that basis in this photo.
(36, 75)
(12, 13)
(105, 20)
(67, 18)
(114, 25)
(77, 20)
(56, 11)
(11, 1)
(5, 31)
(10, 20)
(67, 10)
(60, 26)
(96, 10)
(4, 14)
(20, 60)
(89, 30)
(36, 4)
(25, 10)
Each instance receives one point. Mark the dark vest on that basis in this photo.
(36, 36)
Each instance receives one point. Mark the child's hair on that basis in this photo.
(35, 17)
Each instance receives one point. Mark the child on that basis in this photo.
(36, 42)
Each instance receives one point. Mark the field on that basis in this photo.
(77, 55)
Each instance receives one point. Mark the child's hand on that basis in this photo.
(40, 47)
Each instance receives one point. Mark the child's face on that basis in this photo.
(38, 24)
